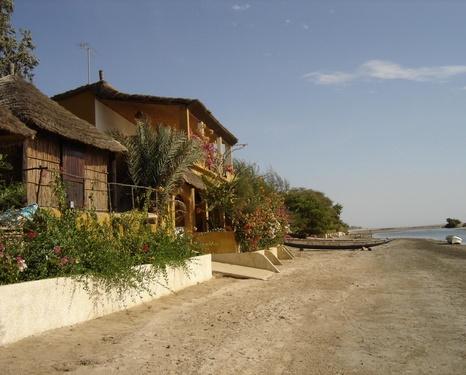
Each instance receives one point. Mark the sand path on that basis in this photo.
(400, 309)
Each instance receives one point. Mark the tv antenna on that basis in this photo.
(89, 51)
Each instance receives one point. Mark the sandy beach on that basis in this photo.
(399, 309)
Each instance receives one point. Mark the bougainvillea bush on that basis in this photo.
(251, 205)
(76, 243)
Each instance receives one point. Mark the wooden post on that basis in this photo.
(184, 123)
(25, 167)
(219, 155)
(132, 196)
(228, 156)
(40, 181)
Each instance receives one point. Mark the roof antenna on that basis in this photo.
(89, 50)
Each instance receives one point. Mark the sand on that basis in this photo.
(399, 309)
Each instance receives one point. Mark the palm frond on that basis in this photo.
(158, 157)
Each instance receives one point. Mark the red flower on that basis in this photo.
(145, 248)
(57, 250)
(31, 234)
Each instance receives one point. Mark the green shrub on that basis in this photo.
(77, 244)
(313, 213)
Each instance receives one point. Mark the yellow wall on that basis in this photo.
(171, 115)
(82, 105)
(217, 242)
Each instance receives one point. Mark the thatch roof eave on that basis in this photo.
(31, 106)
(11, 124)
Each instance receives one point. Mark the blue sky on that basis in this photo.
(363, 100)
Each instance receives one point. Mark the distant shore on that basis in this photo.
(388, 229)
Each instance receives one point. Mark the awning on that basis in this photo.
(194, 180)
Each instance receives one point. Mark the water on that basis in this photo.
(432, 234)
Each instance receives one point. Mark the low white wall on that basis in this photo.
(37, 306)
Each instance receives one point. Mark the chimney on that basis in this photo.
(12, 68)
(101, 75)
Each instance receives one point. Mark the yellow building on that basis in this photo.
(111, 110)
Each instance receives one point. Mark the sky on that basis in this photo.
(362, 100)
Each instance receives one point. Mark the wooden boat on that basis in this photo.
(334, 244)
(454, 240)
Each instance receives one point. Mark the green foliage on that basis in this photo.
(77, 244)
(452, 223)
(11, 195)
(313, 213)
(158, 158)
(254, 207)
(14, 50)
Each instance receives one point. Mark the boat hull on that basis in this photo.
(333, 244)
(454, 240)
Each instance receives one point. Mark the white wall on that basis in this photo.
(107, 120)
(37, 306)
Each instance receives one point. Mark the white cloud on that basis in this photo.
(386, 70)
(305, 27)
(335, 78)
(241, 7)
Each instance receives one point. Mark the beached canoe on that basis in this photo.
(334, 244)
(454, 240)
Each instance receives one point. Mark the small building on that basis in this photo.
(41, 140)
(111, 110)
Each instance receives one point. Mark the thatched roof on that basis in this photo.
(103, 90)
(12, 125)
(36, 110)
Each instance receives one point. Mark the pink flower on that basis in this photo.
(64, 261)
(21, 263)
(145, 248)
(57, 250)
(32, 234)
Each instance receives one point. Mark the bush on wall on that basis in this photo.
(75, 243)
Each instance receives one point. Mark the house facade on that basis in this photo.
(42, 140)
(110, 110)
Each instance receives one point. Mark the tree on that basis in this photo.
(313, 213)
(158, 158)
(14, 50)
(452, 223)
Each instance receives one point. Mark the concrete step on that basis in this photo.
(241, 272)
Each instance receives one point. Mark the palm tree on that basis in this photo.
(158, 157)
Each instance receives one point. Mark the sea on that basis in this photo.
(432, 233)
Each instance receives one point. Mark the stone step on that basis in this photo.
(241, 272)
